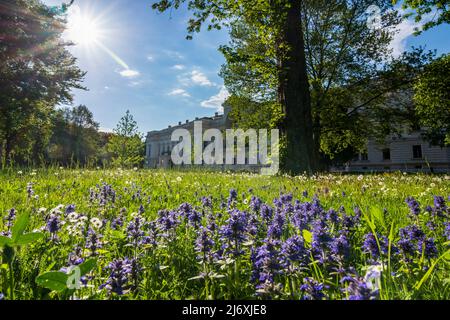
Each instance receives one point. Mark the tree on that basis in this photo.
(432, 100)
(126, 144)
(37, 72)
(350, 71)
(422, 8)
(283, 20)
(75, 137)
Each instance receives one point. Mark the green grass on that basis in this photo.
(171, 269)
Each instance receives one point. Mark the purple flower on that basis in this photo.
(234, 231)
(266, 212)
(10, 218)
(185, 209)
(134, 230)
(340, 248)
(332, 216)
(195, 218)
(276, 227)
(93, 242)
(232, 197)
(70, 209)
(266, 263)
(119, 278)
(312, 290)
(255, 204)
(167, 220)
(204, 243)
(447, 230)
(117, 223)
(207, 202)
(428, 247)
(358, 289)
(370, 245)
(321, 239)
(439, 203)
(75, 257)
(53, 224)
(293, 250)
(413, 205)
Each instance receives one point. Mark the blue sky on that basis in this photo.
(144, 63)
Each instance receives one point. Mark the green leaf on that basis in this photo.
(28, 238)
(20, 225)
(53, 280)
(87, 266)
(378, 214)
(307, 236)
(5, 241)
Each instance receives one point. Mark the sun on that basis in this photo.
(82, 28)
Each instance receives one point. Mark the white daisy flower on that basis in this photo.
(97, 223)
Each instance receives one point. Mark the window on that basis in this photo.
(387, 154)
(364, 156)
(417, 152)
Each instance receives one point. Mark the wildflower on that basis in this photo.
(266, 262)
(370, 245)
(266, 212)
(70, 209)
(204, 243)
(207, 202)
(134, 230)
(195, 218)
(53, 224)
(276, 227)
(232, 197)
(340, 248)
(10, 218)
(312, 290)
(96, 223)
(234, 230)
(75, 257)
(359, 289)
(293, 250)
(93, 242)
(118, 280)
(428, 247)
(447, 230)
(255, 203)
(117, 223)
(413, 205)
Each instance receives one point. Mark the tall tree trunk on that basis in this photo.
(294, 96)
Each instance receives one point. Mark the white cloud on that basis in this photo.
(150, 58)
(216, 101)
(106, 130)
(405, 30)
(173, 54)
(179, 92)
(200, 78)
(129, 73)
(179, 67)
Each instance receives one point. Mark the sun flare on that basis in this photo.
(82, 29)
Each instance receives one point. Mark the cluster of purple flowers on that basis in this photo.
(359, 289)
(93, 242)
(123, 277)
(413, 241)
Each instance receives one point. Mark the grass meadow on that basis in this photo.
(145, 234)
